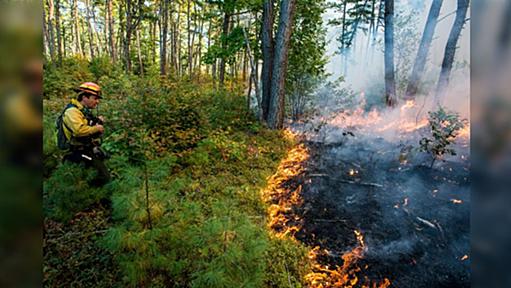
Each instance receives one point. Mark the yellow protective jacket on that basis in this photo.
(75, 120)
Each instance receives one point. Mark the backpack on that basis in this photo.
(62, 141)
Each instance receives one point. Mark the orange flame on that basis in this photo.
(465, 132)
(408, 104)
(283, 223)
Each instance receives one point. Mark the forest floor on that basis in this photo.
(375, 215)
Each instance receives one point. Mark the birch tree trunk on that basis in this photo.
(46, 36)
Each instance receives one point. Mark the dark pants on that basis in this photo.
(87, 157)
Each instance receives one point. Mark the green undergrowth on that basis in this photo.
(184, 208)
(205, 222)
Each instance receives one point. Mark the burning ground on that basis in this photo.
(366, 202)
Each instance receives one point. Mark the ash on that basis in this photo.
(415, 220)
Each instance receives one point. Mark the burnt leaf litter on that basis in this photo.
(415, 219)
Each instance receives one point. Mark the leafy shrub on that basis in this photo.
(103, 66)
(226, 110)
(51, 153)
(445, 127)
(59, 82)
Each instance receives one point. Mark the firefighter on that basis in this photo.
(83, 131)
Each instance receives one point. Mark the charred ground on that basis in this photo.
(415, 220)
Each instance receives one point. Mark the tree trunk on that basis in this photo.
(139, 53)
(213, 71)
(278, 81)
(51, 42)
(173, 46)
(198, 54)
(59, 32)
(178, 44)
(121, 33)
(111, 42)
(77, 28)
(189, 34)
(64, 45)
(164, 13)
(390, 84)
(209, 45)
(267, 51)
(422, 54)
(46, 36)
(127, 38)
(100, 47)
(450, 49)
(343, 48)
(153, 41)
(89, 26)
(378, 19)
(253, 78)
(225, 32)
(244, 68)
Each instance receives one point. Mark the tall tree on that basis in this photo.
(189, 34)
(127, 38)
(422, 54)
(58, 29)
(90, 30)
(267, 50)
(51, 39)
(228, 8)
(278, 80)
(390, 83)
(111, 42)
(76, 23)
(450, 49)
(164, 16)
(139, 53)
(133, 19)
(46, 36)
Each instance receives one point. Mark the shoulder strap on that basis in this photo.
(69, 105)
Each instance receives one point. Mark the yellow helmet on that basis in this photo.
(90, 88)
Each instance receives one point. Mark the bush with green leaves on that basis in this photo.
(60, 81)
(445, 127)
